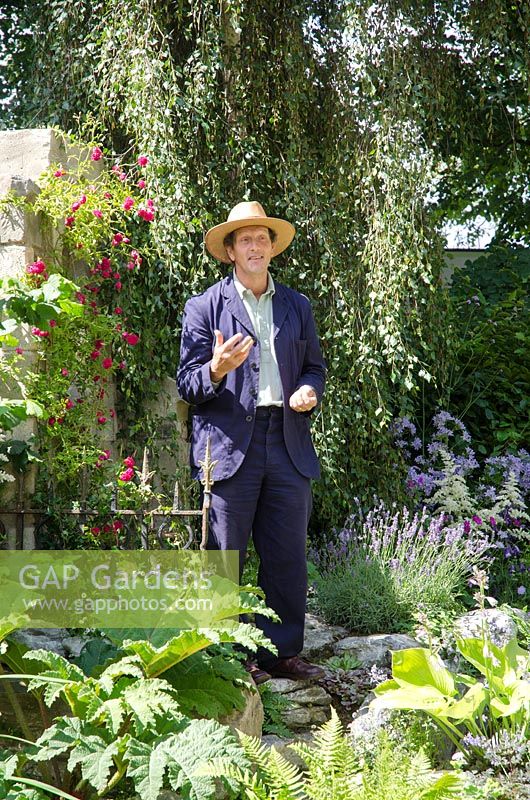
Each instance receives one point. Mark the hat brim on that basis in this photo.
(214, 238)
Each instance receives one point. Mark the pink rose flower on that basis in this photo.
(51, 420)
(19, 350)
(59, 173)
(127, 474)
(95, 354)
(129, 461)
(122, 365)
(131, 338)
(95, 530)
(96, 378)
(96, 154)
(64, 372)
(118, 239)
(101, 419)
(80, 297)
(141, 184)
(99, 343)
(117, 525)
(69, 222)
(143, 161)
(147, 214)
(60, 420)
(122, 176)
(118, 286)
(106, 363)
(118, 310)
(52, 323)
(69, 404)
(107, 196)
(97, 213)
(128, 203)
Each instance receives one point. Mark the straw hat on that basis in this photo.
(241, 216)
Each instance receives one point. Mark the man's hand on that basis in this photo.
(228, 355)
(304, 399)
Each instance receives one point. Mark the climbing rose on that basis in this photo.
(97, 213)
(146, 213)
(106, 363)
(19, 350)
(37, 332)
(131, 338)
(51, 420)
(127, 474)
(80, 297)
(69, 404)
(118, 239)
(118, 286)
(129, 461)
(52, 323)
(94, 354)
(128, 203)
(64, 372)
(101, 419)
(143, 161)
(37, 268)
(141, 184)
(59, 173)
(117, 525)
(95, 530)
(96, 154)
(69, 222)
(118, 310)
(99, 343)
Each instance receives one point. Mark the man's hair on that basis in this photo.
(230, 238)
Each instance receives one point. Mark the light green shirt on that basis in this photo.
(260, 312)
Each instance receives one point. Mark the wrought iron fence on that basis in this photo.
(146, 527)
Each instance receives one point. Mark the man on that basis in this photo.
(252, 368)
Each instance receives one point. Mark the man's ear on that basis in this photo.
(230, 253)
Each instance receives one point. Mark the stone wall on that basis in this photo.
(24, 156)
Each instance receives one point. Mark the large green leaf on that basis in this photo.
(420, 698)
(202, 741)
(417, 666)
(95, 758)
(149, 699)
(146, 767)
(470, 705)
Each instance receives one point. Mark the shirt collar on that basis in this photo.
(242, 290)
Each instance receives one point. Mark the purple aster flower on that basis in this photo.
(521, 590)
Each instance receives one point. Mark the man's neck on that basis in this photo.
(257, 284)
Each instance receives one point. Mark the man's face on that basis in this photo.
(252, 251)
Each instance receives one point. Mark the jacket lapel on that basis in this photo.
(280, 308)
(235, 305)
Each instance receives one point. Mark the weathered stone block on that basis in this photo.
(374, 649)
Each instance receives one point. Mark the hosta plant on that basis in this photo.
(465, 707)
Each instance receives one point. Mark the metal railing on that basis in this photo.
(142, 528)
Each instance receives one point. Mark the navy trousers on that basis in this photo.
(269, 499)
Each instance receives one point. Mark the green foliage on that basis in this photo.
(274, 704)
(420, 681)
(201, 89)
(333, 772)
(489, 378)
(386, 566)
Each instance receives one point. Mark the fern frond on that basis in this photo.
(254, 750)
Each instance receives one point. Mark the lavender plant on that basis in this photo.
(489, 499)
(387, 565)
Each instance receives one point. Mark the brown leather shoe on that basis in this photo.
(257, 674)
(297, 669)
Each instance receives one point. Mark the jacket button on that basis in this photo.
(249, 418)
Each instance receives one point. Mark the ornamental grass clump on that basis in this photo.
(383, 568)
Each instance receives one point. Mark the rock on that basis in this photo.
(52, 639)
(319, 636)
(73, 646)
(286, 685)
(250, 719)
(499, 626)
(368, 721)
(374, 649)
(297, 717)
(312, 695)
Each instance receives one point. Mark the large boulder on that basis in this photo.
(375, 649)
(319, 637)
(250, 719)
(309, 704)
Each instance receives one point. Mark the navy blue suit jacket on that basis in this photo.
(227, 413)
